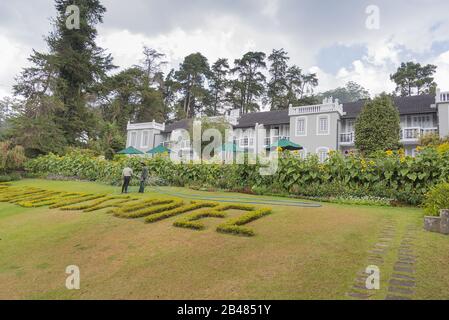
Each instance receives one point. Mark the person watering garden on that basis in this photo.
(127, 174)
(143, 178)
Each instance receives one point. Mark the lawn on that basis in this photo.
(297, 253)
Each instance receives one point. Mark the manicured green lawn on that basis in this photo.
(297, 253)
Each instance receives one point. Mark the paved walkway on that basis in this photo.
(387, 255)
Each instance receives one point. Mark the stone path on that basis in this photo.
(402, 283)
(376, 257)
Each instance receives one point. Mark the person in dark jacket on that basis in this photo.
(143, 178)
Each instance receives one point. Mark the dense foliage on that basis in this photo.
(385, 175)
(12, 157)
(377, 126)
(437, 199)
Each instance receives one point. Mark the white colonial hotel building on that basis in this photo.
(317, 128)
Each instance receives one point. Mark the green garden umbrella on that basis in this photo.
(285, 144)
(131, 151)
(159, 149)
(231, 147)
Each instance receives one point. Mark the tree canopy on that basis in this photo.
(377, 126)
(412, 78)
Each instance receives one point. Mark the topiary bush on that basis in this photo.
(234, 226)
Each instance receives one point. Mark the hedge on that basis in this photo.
(386, 175)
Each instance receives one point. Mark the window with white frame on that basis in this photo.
(133, 139)
(323, 125)
(322, 153)
(145, 139)
(301, 126)
(422, 121)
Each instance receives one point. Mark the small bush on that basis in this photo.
(190, 221)
(234, 226)
(83, 198)
(178, 211)
(436, 199)
(157, 206)
(10, 177)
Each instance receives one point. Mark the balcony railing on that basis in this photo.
(413, 134)
(320, 108)
(442, 96)
(347, 138)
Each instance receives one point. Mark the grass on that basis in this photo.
(297, 253)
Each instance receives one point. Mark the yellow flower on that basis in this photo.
(389, 153)
(419, 148)
(278, 149)
(443, 148)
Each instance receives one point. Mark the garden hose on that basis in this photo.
(288, 203)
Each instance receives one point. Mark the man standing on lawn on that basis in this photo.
(127, 174)
(143, 178)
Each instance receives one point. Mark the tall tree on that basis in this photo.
(80, 64)
(277, 87)
(249, 87)
(191, 76)
(377, 126)
(70, 72)
(351, 92)
(299, 86)
(152, 64)
(218, 84)
(412, 78)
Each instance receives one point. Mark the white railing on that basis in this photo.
(347, 138)
(319, 108)
(146, 125)
(413, 134)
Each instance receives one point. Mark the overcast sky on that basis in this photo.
(328, 37)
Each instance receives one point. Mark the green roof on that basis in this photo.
(130, 150)
(231, 147)
(286, 145)
(159, 149)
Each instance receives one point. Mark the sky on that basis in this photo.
(341, 41)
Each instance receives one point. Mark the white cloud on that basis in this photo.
(13, 57)
(442, 74)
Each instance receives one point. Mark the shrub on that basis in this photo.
(436, 199)
(123, 209)
(388, 175)
(234, 226)
(10, 177)
(157, 206)
(64, 204)
(178, 211)
(88, 205)
(190, 221)
(114, 204)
